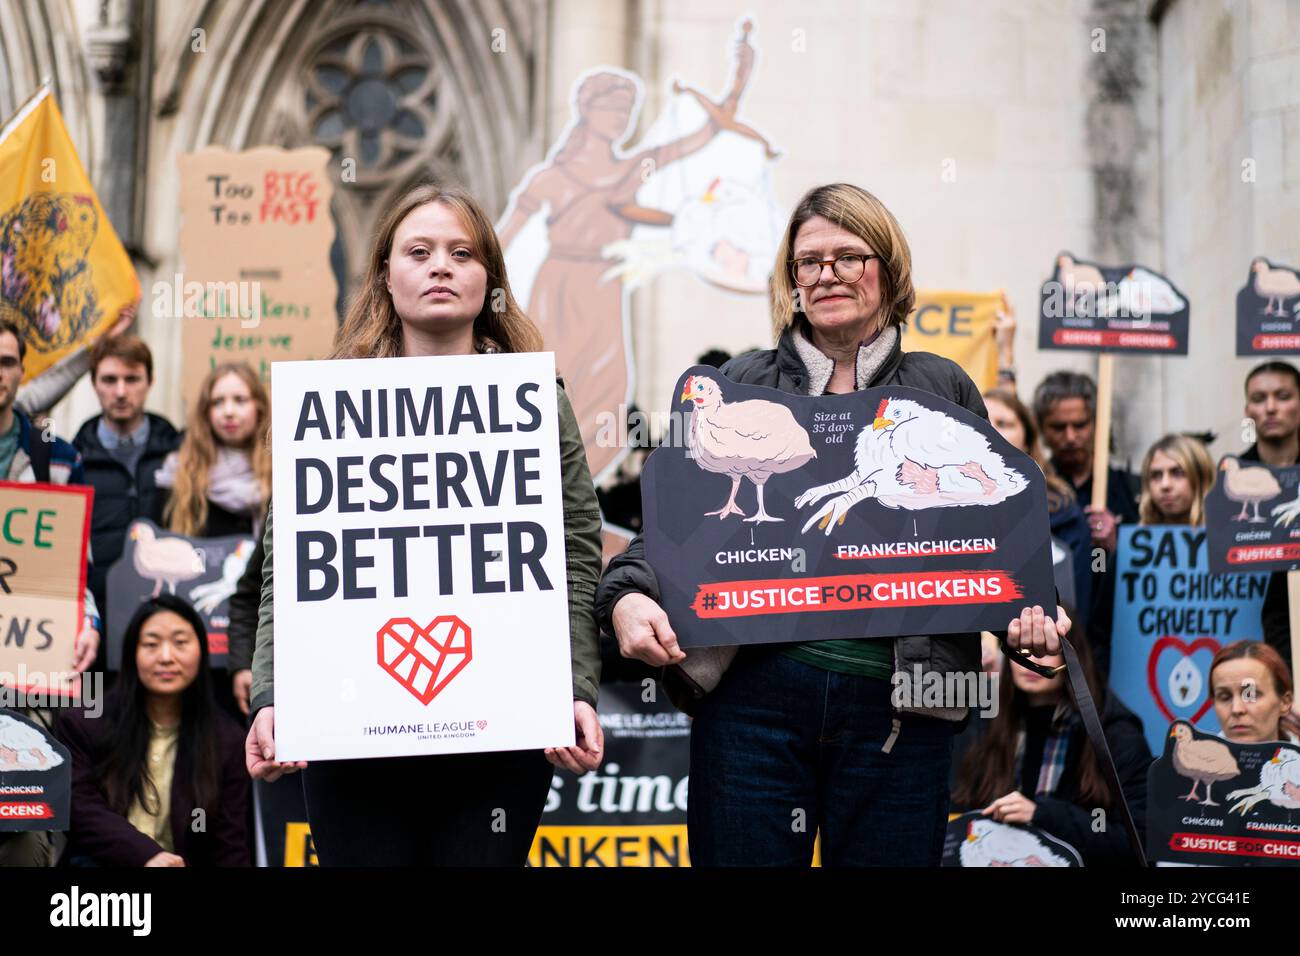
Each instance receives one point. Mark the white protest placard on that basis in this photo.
(420, 593)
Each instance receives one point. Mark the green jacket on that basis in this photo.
(582, 556)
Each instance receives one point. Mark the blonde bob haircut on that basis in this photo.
(1192, 457)
(857, 211)
(372, 328)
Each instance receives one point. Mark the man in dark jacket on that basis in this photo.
(120, 451)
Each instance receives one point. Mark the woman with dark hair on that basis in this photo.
(161, 759)
(1033, 763)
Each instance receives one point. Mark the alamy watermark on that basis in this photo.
(21, 688)
(930, 689)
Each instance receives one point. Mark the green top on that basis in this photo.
(866, 657)
(582, 557)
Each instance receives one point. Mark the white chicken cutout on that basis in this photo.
(753, 439)
(990, 843)
(1279, 784)
(1185, 682)
(206, 598)
(916, 458)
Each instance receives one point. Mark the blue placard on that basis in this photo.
(1171, 616)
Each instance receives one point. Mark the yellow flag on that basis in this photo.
(63, 272)
(959, 326)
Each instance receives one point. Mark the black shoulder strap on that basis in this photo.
(39, 453)
(1092, 726)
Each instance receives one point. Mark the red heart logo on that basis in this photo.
(1158, 648)
(424, 659)
(482, 724)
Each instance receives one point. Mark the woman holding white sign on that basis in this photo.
(797, 738)
(436, 285)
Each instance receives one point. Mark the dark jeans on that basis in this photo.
(782, 749)
(453, 810)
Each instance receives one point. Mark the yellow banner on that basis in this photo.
(959, 326)
(64, 275)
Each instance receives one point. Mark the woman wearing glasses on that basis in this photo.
(799, 738)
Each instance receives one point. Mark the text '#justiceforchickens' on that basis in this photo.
(1250, 518)
(950, 518)
(1213, 801)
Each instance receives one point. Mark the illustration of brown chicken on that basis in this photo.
(1201, 761)
(1274, 285)
(1250, 486)
(752, 439)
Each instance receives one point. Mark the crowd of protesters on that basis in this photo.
(171, 740)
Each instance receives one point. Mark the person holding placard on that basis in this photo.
(1273, 406)
(436, 285)
(790, 739)
(162, 757)
(1253, 694)
(1033, 764)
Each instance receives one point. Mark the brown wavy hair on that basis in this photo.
(187, 509)
(854, 209)
(372, 328)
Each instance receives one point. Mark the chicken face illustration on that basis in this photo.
(915, 457)
(752, 439)
(1250, 486)
(989, 843)
(1185, 682)
(1201, 761)
(1279, 784)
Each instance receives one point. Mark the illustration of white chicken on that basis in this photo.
(1274, 285)
(989, 843)
(1141, 292)
(24, 748)
(916, 457)
(207, 597)
(752, 439)
(166, 560)
(1288, 511)
(1250, 486)
(1201, 761)
(1279, 784)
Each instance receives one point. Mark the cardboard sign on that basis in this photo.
(1093, 308)
(631, 811)
(44, 531)
(958, 326)
(1218, 803)
(420, 593)
(204, 571)
(1268, 310)
(1251, 515)
(885, 512)
(975, 840)
(1171, 617)
(255, 240)
(35, 776)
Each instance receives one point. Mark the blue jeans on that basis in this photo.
(782, 749)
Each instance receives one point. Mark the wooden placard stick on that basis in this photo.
(1101, 434)
(1293, 603)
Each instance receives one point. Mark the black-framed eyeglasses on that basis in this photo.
(847, 268)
